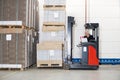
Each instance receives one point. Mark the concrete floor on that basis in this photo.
(104, 73)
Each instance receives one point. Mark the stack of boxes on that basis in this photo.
(49, 54)
(50, 48)
(16, 48)
(19, 26)
(22, 12)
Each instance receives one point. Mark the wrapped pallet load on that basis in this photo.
(16, 48)
(54, 16)
(52, 34)
(19, 12)
(49, 54)
(55, 2)
(19, 26)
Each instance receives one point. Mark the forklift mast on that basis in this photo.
(71, 22)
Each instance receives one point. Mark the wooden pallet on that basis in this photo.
(17, 68)
(13, 26)
(14, 67)
(21, 69)
(54, 7)
(53, 24)
(49, 63)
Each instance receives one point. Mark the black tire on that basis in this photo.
(66, 67)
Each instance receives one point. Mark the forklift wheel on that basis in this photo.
(66, 67)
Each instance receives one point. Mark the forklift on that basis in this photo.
(90, 50)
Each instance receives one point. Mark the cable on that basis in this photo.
(85, 11)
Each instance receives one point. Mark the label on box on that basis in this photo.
(35, 33)
(56, 15)
(84, 49)
(52, 52)
(28, 38)
(8, 37)
(53, 34)
(33, 40)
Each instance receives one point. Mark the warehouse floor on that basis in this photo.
(108, 72)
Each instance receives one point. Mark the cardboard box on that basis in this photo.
(16, 48)
(11, 23)
(53, 28)
(20, 10)
(54, 2)
(56, 16)
(52, 36)
(50, 45)
(49, 54)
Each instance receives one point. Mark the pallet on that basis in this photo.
(48, 27)
(11, 67)
(14, 67)
(53, 24)
(54, 7)
(16, 27)
(21, 69)
(13, 26)
(49, 64)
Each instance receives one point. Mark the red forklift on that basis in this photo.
(90, 50)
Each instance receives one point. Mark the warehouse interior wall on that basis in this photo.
(104, 12)
(107, 12)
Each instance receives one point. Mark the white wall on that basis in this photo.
(109, 17)
(107, 14)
